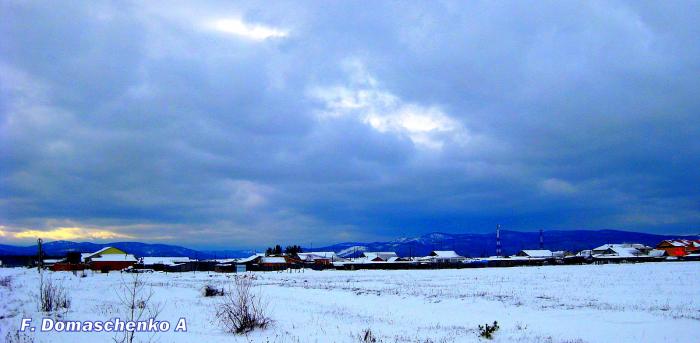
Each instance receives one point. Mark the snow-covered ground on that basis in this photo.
(651, 302)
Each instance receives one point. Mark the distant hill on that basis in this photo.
(484, 244)
(467, 244)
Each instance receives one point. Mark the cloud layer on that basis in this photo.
(231, 125)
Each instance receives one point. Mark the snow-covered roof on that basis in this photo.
(91, 255)
(164, 260)
(626, 252)
(311, 256)
(622, 245)
(682, 243)
(617, 250)
(251, 258)
(326, 254)
(114, 258)
(445, 254)
(100, 251)
(273, 259)
(384, 255)
(536, 253)
(369, 260)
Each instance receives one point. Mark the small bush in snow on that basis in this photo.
(367, 336)
(487, 331)
(211, 291)
(6, 281)
(52, 296)
(242, 310)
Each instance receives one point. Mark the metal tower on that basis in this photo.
(498, 240)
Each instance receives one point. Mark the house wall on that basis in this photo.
(110, 265)
(674, 251)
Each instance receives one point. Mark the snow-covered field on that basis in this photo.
(652, 302)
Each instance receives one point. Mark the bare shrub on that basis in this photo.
(136, 299)
(52, 296)
(242, 310)
(6, 281)
(211, 291)
(18, 337)
(487, 331)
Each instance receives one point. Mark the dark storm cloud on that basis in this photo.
(325, 122)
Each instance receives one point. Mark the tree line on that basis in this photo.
(277, 250)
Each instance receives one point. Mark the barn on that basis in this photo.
(109, 258)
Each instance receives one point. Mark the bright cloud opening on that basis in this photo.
(67, 233)
(240, 28)
(426, 126)
(557, 186)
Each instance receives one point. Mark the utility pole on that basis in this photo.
(40, 263)
(498, 239)
(541, 240)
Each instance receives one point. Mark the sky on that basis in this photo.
(238, 124)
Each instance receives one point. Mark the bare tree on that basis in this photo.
(136, 297)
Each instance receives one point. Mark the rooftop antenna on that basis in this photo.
(498, 239)
(541, 240)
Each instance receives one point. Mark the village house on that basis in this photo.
(535, 253)
(109, 258)
(379, 256)
(230, 265)
(269, 263)
(444, 256)
(679, 247)
(250, 263)
(259, 262)
(622, 250)
(323, 258)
